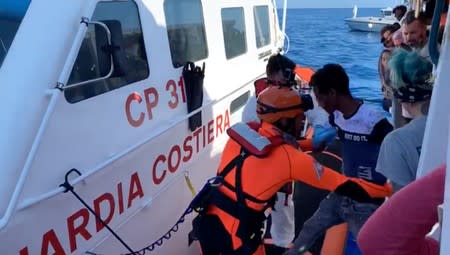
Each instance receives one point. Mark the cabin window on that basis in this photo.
(239, 102)
(11, 15)
(262, 25)
(130, 58)
(233, 25)
(386, 13)
(185, 30)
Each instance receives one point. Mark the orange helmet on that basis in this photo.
(277, 102)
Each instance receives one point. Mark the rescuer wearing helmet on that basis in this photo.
(282, 71)
(257, 161)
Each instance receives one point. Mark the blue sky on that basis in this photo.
(338, 3)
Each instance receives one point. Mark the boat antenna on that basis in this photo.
(355, 11)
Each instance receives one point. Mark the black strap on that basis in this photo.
(250, 220)
(246, 195)
(238, 179)
(228, 205)
(270, 109)
(227, 169)
(238, 162)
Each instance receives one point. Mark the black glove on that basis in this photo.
(354, 191)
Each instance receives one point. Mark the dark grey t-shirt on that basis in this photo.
(400, 152)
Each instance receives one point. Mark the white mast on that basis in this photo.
(355, 11)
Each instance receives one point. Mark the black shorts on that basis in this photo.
(215, 240)
(212, 235)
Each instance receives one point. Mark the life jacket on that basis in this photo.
(250, 220)
(260, 85)
(246, 135)
(257, 145)
(304, 73)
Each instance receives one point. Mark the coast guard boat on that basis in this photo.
(95, 109)
(96, 86)
(370, 24)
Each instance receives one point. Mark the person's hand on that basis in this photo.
(322, 137)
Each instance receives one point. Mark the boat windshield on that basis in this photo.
(386, 13)
(11, 15)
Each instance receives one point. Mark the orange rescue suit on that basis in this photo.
(262, 177)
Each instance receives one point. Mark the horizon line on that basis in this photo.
(332, 7)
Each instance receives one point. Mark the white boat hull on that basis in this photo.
(132, 145)
(368, 24)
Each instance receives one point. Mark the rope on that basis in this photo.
(69, 187)
(166, 236)
(159, 242)
(174, 228)
(189, 183)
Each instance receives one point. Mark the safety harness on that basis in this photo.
(250, 220)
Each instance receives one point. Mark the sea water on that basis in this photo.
(320, 36)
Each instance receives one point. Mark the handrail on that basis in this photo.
(117, 156)
(111, 68)
(37, 140)
(434, 32)
(23, 175)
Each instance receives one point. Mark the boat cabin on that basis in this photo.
(386, 12)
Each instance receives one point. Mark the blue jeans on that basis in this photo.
(333, 210)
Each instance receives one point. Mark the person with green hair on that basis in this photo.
(412, 83)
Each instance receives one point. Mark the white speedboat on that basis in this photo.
(371, 24)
